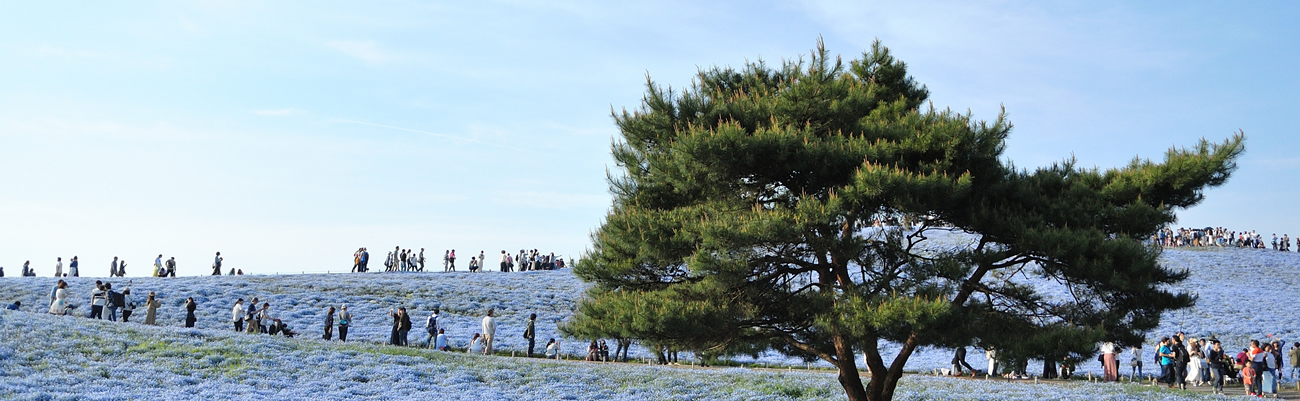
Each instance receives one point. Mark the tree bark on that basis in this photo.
(848, 370)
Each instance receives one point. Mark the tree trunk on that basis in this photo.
(848, 369)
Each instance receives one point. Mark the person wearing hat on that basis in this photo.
(345, 317)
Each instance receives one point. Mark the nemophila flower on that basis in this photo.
(70, 357)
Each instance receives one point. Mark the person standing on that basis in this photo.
(72, 267)
(397, 327)
(405, 327)
(114, 301)
(112, 268)
(489, 332)
(421, 259)
(151, 309)
(190, 306)
(237, 314)
(505, 261)
(216, 265)
(171, 267)
(1135, 362)
(451, 259)
(356, 261)
(365, 259)
(1294, 354)
(482, 261)
(1166, 354)
(58, 267)
(158, 266)
(329, 324)
(264, 317)
(1110, 370)
(992, 356)
(345, 318)
(431, 326)
(128, 305)
(530, 333)
(97, 301)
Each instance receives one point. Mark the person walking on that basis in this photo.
(421, 260)
(489, 332)
(1135, 362)
(216, 265)
(345, 318)
(190, 306)
(112, 268)
(151, 309)
(1166, 354)
(451, 259)
(530, 333)
(58, 267)
(264, 317)
(121, 268)
(237, 315)
(1215, 362)
(329, 324)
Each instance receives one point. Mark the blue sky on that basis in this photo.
(286, 135)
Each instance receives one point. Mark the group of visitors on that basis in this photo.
(104, 298)
(117, 268)
(253, 320)
(408, 260)
(73, 271)
(530, 260)
(1219, 237)
(404, 260)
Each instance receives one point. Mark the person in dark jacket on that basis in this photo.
(1215, 359)
(405, 326)
(959, 360)
(190, 306)
(530, 332)
(329, 324)
(1181, 358)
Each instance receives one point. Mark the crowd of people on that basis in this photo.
(103, 298)
(117, 268)
(408, 260)
(1220, 237)
(1181, 360)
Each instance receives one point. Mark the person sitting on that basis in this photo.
(593, 352)
(15, 305)
(604, 351)
(279, 327)
(440, 343)
(551, 349)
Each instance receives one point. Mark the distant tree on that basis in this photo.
(764, 208)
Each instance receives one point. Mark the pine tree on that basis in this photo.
(795, 209)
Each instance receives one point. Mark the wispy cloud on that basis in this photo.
(366, 50)
(280, 112)
(454, 137)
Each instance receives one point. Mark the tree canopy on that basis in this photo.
(796, 209)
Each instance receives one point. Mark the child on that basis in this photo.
(1248, 378)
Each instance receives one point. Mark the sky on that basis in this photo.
(286, 135)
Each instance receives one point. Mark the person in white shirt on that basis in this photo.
(489, 331)
(238, 313)
(58, 267)
(473, 343)
(440, 343)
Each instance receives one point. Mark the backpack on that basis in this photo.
(116, 299)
